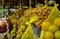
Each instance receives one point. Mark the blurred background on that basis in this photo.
(16, 3)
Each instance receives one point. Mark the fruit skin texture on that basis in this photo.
(57, 21)
(53, 28)
(46, 25)
(49, 35)
(22, 28)
(57, 35)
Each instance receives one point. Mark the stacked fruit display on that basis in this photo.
(51, 26)
(42, 13)
(28, 15)
(29, 33)
(17, 21)
(15, 24)
(18, 30)
(14, 18)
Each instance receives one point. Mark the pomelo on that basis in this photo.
(45, 25)
(57, 21)
(53, 28)
(49, 35)
(57, 35)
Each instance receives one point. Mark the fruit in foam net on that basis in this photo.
(29, 33)
(55, 13)
(57, 21)
(45, 25)
(53, 28)
(49, 35)
(57, 35)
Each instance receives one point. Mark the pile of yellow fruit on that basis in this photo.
(50, 31)
(51, 26)
(41, 12)
(47, 17)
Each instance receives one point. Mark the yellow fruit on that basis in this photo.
(29, 33)
(49, 35)
(53, 28)
(19, 31)
(42, 34)
(57, 35)
(22, 28)
(57, 21)
(46, 25)
(13, 21)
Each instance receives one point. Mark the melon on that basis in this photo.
(53, 28)
(57, 21)
(46, 25)
(57, 35)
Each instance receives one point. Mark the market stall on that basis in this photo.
(30, 19)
